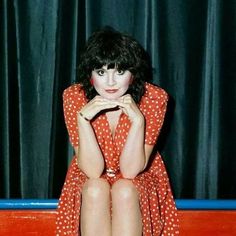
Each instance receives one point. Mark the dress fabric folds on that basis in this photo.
(159, 214)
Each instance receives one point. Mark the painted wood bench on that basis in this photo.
(197, 217)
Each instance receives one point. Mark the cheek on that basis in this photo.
(94, 80)
(91, 81)
(127, 81)
(97, 82)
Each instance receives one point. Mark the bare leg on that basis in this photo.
(95, 208)
(126, 215)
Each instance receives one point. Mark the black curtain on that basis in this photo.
(192, 44)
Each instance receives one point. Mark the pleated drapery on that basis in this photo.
(192, 45)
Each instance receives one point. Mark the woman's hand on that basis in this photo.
(130, 108)
(97, 104)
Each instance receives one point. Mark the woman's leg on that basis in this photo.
(126, 214)
(95, 208)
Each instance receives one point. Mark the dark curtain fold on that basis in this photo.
(192, 45)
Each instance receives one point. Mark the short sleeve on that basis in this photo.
(153, 106)
(73, 101)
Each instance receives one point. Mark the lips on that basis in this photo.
(111, 90)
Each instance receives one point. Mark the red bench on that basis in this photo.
(41, 222)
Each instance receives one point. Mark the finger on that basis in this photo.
(119, 104)
(122, 98)
(128, 98)
(124, 110)
(99, 98)
(100, 102)
(106, 106)
(125, 107)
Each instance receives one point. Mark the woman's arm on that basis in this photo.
(90, 158)
(135, 154)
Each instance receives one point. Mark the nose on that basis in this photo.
(111, 79)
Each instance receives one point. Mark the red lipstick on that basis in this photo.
(111, 90)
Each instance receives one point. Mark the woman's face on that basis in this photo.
(111, 83)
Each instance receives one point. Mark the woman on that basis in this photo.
(115, 185)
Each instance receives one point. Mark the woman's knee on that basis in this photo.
(96, 189)
(124, 190)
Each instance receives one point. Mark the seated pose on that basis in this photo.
(116, 184)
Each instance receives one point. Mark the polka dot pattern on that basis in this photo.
(159, 214)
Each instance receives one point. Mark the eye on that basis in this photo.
(100, 72)
(120, 72)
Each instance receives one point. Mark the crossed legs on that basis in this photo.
(95, 209)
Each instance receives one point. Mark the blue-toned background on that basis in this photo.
(193, 47)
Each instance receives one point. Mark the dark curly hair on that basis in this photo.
(114, 49)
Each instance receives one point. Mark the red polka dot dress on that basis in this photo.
(159, 214)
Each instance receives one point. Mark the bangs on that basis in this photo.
(111, 64)
(113, 54)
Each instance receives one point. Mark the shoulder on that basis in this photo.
(154, 94)
(74, 94)
(73, 90)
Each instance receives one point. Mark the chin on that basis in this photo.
(112, 97)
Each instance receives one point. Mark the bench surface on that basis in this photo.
(42, 222)
(37, 217)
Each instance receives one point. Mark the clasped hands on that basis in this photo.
(99, 103)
